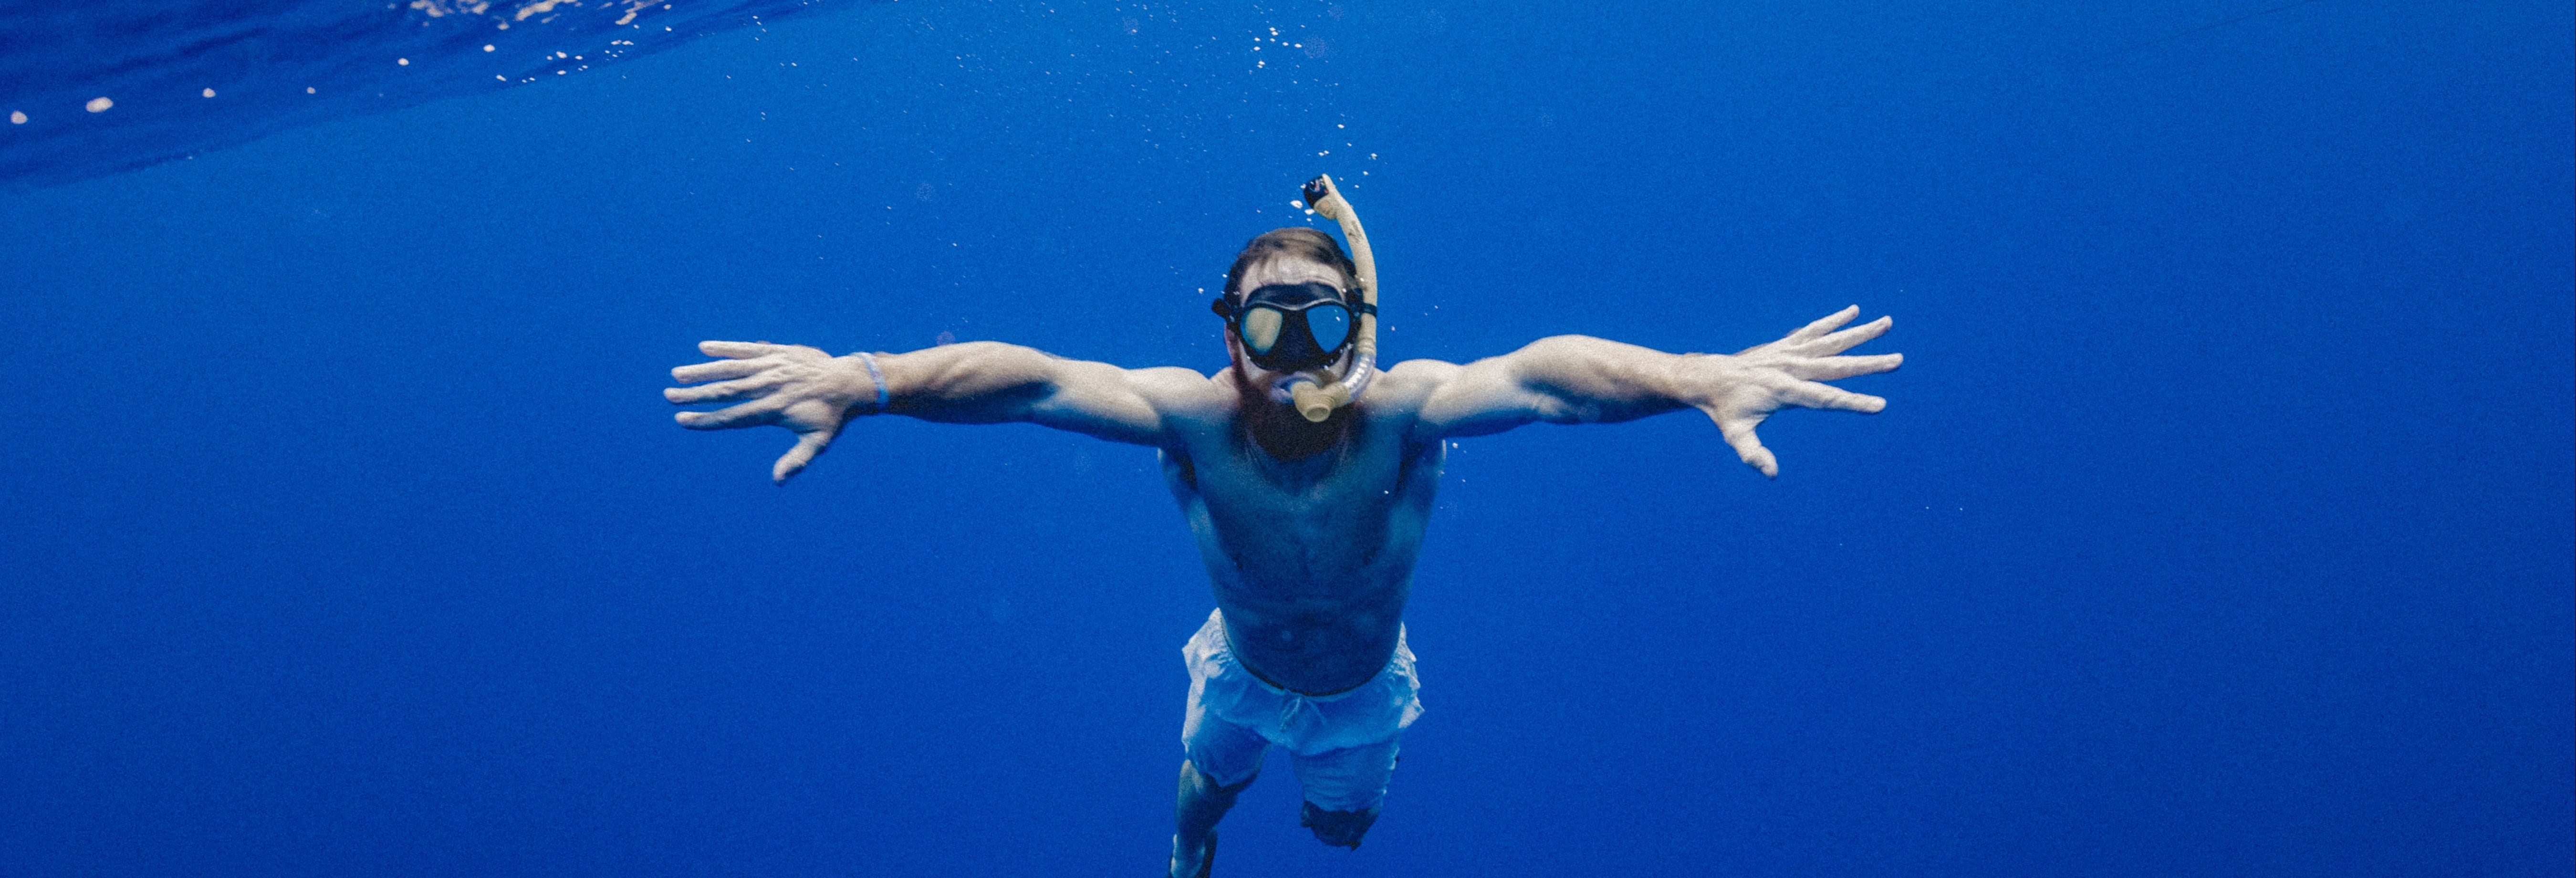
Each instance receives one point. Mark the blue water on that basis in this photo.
(2220, 523)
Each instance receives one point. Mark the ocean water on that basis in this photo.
(2220, 522)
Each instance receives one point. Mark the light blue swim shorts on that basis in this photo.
(1343, 745)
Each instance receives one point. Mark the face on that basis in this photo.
(1276, 271)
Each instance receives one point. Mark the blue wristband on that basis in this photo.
(877, 375)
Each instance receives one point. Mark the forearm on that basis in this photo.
(1576, 379)
(976, 382)
(991, 383)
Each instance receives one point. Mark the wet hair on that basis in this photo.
(1294, 242)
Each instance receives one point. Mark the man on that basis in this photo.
(1309, 529)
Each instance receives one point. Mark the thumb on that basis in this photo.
(1739, 435)
(807, 446)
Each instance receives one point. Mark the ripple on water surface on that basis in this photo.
(96, 88)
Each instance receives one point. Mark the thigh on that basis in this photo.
(1348, 779)
(1228, 754)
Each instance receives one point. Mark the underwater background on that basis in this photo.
(2220, 522)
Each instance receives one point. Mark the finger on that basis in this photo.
(736, 350)
(749, 414)
(1837, 368)
(1825, 396)
(1849, 338)
(719, 370)
(1828, 323)
(727, 391)
(1739, 435)
(807, 446)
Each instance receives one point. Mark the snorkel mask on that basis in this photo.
(1304, 328)
(1293, 327)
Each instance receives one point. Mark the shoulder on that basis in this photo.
(1400, 392)
(1181, 391)
(1423, 371)
(1413, 381)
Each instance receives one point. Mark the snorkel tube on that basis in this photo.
(1314, 400)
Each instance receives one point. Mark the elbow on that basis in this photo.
(1559, 356)
(1560, 346)
(989, 351)
(1560, 410)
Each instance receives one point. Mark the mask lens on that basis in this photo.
(1331, 325)
(1260, 329)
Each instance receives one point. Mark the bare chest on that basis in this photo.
(1303, 525)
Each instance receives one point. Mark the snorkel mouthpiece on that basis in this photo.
(1315, 403)
(1314, 399)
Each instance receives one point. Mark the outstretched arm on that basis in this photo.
(1574, 379)
(813, 393)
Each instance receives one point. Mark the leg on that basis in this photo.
(1223, 759)
(1343, 789)
(1202, 803)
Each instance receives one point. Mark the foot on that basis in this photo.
(1198, 862)
(1338, 828)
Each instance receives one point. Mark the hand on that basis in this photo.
(1744, 389)
(802, 389)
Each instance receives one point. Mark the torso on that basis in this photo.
(1311, 558)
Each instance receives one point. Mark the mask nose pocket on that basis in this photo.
(1261, 329)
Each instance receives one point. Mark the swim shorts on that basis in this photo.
(1343, 745)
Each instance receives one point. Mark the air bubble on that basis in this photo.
(99, 105)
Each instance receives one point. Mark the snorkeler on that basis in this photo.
(1308, 499)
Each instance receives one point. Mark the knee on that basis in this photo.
(1197, 784)
(1338, 828)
